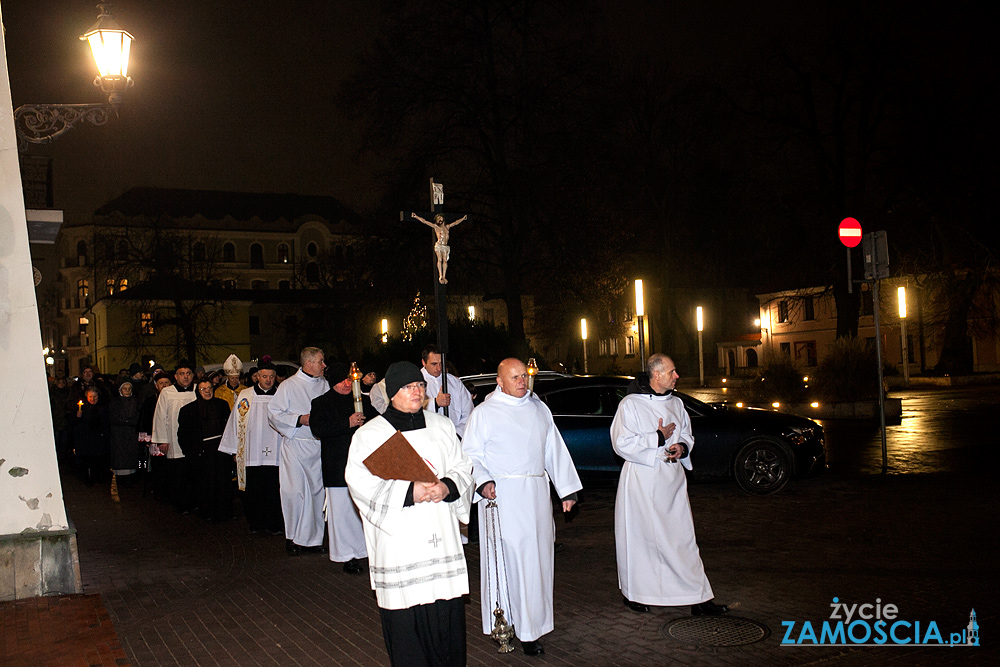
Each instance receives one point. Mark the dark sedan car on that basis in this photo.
(760, 449)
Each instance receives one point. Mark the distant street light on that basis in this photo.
(640, 310)
(472, 312)
(111, 46)
(385, 330)
(904, 343)
(701, 349)
(583, 335)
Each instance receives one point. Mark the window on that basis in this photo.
(84, 321)
(82, 292)
(256, 256)
(229, 253)
(602, 347)
(259, 284)
(110, 284)
(123, 284)
(613, 346)
(751, 358)
(81, 252)
(312, 272)
(284, 284)
(146, 324)
(867, 303)
(786, 349)
(198, 252)
(254, 325)
(312, 249)
(629, 345)
(808, 310)
(282, 253)
(229, 284)
(782, 311)
(581, 401)
(806, 349)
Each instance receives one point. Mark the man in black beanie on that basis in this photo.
(418, 569)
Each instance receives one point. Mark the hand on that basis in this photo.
(568, 505)
(434, 493)
(304, 420)
(489, 491)
(673, 453)
(443, 400)
(357, 419)
(163, 446)
(667, 430)
(79, 413)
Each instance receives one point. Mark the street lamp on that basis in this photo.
(904, 343)
(472, 313)
(583, 335)
(111, 46)
(701, 351)
(640, 310)
(385, 330)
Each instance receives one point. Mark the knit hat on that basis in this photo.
(337, 371)
(399, 375)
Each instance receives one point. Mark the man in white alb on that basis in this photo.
(658, 559)
(458, 400)
(168, 408)
(516, 449)
(299, 469)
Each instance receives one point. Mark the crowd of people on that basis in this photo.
(300, 452)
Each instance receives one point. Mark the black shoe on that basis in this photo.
(635, 606)
(532, 648)
(318, 549)
(709, 609)
(559, 547)
(292, 548)
(353, 566)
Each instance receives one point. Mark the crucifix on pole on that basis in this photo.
(442, 252)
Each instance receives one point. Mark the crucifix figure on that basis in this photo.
(441, 248)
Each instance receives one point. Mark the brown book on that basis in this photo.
(396, 459)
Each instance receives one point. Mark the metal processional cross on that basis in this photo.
(442, 252)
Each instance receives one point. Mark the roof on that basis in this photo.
(219, 205)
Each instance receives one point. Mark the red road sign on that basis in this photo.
(849, 232)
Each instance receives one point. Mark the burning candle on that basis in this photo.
(356, 385)
(79, 405)
(532, 371)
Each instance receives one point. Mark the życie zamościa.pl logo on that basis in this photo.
(875, 624)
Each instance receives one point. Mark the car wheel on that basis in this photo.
(762, 467)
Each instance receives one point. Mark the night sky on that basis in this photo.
(242, 95)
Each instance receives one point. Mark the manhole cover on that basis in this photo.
(716, 631)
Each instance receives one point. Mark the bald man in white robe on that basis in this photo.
(516, 449)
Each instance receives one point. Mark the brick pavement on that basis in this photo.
(182, 591)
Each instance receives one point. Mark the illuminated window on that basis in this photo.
(629, 344)
(146, 324)
(283, 255)
(110, 283)
(84, 321)
(82, 292)
(123, 284)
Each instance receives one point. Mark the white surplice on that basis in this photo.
(249, 435)
(515, 443)
(415, 553)
(300, 471)
(658, 558)
(461, 400)
(168, 408)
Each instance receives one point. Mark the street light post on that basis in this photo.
(904, 343)
(701, 349)
(111, 46)
(583, 335)
(640, 310)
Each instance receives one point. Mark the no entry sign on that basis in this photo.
(849, 232)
